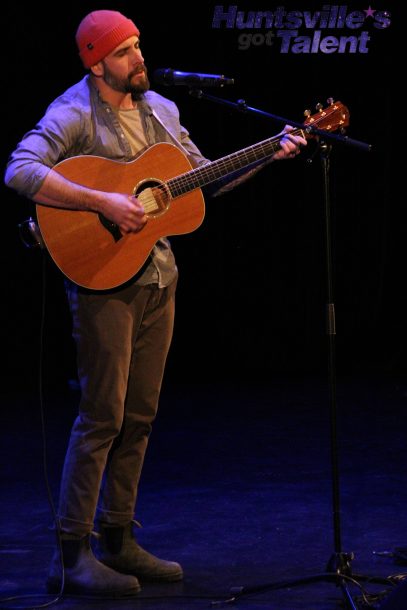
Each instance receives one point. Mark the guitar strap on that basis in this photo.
(172, 136)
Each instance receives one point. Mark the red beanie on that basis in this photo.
(100, 32)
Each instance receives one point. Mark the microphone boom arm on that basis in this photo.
(241, 106)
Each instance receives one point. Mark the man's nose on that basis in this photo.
(137, 56)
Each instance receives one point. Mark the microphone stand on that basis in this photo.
(338, 568)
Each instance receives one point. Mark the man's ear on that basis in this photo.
(97, 69)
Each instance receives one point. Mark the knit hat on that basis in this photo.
(100, 32)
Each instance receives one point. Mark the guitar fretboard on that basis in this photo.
(201, 176)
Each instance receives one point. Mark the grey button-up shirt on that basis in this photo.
(79, 122)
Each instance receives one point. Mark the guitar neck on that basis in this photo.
(201, 176)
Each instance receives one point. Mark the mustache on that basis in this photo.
(138, 70)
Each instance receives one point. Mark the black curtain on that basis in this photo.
(252, 290)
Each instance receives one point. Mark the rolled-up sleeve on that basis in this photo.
(54, 138)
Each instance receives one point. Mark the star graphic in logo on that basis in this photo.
(369, 12)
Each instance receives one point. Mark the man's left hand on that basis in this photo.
(290, 145)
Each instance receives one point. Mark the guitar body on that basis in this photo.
(80, 244)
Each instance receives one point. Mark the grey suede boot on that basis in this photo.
(118, 549)
(84, 574)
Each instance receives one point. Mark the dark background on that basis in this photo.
(252, 289)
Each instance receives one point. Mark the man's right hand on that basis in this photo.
(125, 211)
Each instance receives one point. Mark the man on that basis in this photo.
(122, 335)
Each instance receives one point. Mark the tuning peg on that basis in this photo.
(330, 101)
(319, 107)
(307, 113)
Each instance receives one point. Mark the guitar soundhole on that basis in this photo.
(154, 196)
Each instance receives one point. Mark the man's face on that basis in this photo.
(124, 69)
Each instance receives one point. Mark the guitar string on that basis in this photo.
(182, 184)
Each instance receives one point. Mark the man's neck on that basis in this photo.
(116, 99)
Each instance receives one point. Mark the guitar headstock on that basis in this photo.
(334, 116)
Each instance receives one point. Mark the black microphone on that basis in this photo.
(166, 76)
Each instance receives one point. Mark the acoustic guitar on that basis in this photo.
(92, 252)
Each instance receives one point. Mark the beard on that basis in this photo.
(124, 85)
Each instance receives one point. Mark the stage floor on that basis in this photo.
(237, 487)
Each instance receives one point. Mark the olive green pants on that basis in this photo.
(122, 339)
